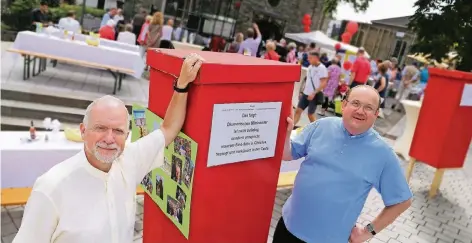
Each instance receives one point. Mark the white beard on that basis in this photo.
(106, 159)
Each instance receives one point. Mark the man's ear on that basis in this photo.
(82, 130)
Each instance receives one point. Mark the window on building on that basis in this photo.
(357, 39)
(399, 51)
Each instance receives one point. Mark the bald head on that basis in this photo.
(364, 90)
(103, 106)
(170, 22)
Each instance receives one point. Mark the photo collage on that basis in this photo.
(170, 186)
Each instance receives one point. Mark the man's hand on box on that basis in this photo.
(189, 71)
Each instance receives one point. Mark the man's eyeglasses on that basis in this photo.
(367, 108)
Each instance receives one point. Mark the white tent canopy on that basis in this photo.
(321, 40)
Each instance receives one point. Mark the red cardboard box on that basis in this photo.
(232, 202)
(444, 129)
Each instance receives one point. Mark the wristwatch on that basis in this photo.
(370, 228)
(179, 90)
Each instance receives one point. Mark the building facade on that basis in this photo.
(386, 38)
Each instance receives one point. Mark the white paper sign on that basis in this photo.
(466, 99)
(243, 131)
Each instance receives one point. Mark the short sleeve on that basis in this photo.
(147, 153)
(301, 142)
(392, 184)
(324, 73)
(39, 221)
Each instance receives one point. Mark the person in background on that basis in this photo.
(41, 15)
(119, 16)
(108, 16)
(360, 69)
(271, 54)
(69, 23)
(108, 31)
(167, 34)
(305, 61)
(300, 52)
(127, 36)
(424, 76)
(410, 75)
(292, 54)
(381, 85)
(153, 39)
(250, 45)
(312, 95)
(138, 21)
(178, 32)
(90, 197)
(234, 47)
(142, 36)
(281, 49)
(324, 59)
(334, 79)
(344, 159)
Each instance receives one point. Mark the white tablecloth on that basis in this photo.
(103, 42)
(79, 50)
(22, 162)
(412, 112)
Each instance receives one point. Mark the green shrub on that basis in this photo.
(18, 14)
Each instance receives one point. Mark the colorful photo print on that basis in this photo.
(174, 209)
(160, 187)
(188, 172)
(139, 118)
(181, 196)
(166, 167)
(182, 146)
(176, 171)
(147, 182)
(142, 131)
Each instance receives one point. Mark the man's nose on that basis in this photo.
(109, 137)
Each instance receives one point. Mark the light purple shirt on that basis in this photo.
(251, 45)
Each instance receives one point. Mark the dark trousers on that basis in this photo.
(282, 235)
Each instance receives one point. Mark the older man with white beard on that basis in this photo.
(90, 197)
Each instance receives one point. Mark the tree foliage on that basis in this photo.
(330, 6)
(442, 26)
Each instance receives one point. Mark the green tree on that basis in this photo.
(443, 26)
(330, 6)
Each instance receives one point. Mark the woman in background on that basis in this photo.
(334, 78)
(154, 33)
(292, 53)
(271, 54)
(234, 47)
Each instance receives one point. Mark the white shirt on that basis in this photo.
(167, 32)
(75, 203)
(314, 74)
(69, 24)
(127, 37)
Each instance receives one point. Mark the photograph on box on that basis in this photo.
(174, 209)
(188, 172)
(159, 187)
(170, 185)
(177, 169)
(147, 182)
(181, 197)
(182, 146)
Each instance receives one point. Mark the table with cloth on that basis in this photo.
(118, 58)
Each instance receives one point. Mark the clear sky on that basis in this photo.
(378, 9)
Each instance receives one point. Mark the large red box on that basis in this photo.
(233, 202)
(443, 132)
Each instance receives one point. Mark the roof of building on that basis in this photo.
(398, 21)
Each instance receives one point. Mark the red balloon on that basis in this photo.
(346, 37)
(347, 65)
(337, 47)
(352, 27)
(306, 28)
(306, 16)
